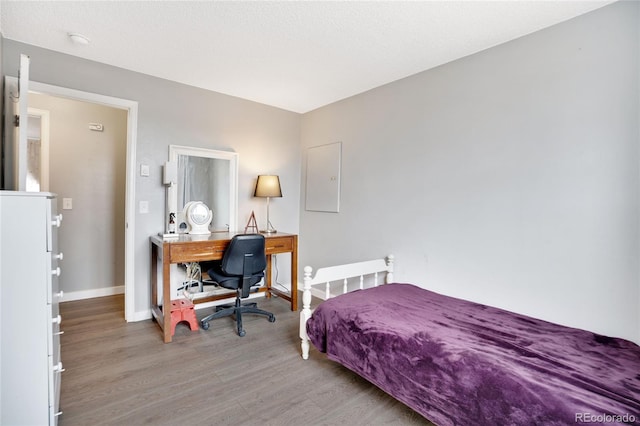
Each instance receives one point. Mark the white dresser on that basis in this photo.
(30, 366)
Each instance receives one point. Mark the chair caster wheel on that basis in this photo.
(241, 333)
(204, 325)
(272, 318)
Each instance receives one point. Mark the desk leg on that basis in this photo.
(159, 312)
(267, 278)
(166, 293)
(154, 276)
(294, 274)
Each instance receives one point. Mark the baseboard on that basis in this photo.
(140, 316)
(90, 294)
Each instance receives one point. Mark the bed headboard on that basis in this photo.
(320, 285)
(342, 273)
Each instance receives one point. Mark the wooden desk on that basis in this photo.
(199, 248)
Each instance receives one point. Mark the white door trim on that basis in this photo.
(129, 209)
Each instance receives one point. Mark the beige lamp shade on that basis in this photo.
(268, 186)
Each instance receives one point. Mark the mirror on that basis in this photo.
(205, 175)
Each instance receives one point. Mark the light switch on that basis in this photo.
(144, 207)
(144, 170)
(67, 203)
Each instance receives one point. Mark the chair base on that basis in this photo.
(238, 309)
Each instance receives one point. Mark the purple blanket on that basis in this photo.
(461, 363)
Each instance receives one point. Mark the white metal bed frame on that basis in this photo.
(320, 286)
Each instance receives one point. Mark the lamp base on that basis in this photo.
(270, 229)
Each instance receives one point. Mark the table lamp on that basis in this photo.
(268, 186)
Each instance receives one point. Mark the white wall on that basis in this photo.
(89, 168)
(509, 177)
(265, 138)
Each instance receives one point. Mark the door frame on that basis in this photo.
(132, 133)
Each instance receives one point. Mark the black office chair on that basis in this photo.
(242, 267)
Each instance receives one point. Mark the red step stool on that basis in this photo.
(182, 310)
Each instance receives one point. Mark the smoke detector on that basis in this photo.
(79, 39)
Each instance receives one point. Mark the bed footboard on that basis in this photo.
(320, 286)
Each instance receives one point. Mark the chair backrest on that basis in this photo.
(245, 255)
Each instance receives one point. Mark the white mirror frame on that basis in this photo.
(232, 157)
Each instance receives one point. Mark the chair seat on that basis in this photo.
(230, 282)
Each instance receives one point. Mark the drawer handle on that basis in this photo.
(278, 246)
(59, 256)
(57, 220)
(58, 333)
(57, 414)
(58, 368)
(56, 271)
(56, 320)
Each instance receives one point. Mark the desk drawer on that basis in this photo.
(182, 253)
(275, 245)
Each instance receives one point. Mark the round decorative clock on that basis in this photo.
(198, 217)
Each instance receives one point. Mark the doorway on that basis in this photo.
(87, 171)
(130, 109)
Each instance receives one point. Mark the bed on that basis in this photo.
(461, 363)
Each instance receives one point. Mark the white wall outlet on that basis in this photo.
(67, 203)
(144, 207)
(144, 170)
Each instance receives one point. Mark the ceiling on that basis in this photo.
(295, 55)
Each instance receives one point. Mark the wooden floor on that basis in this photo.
(120, 373)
